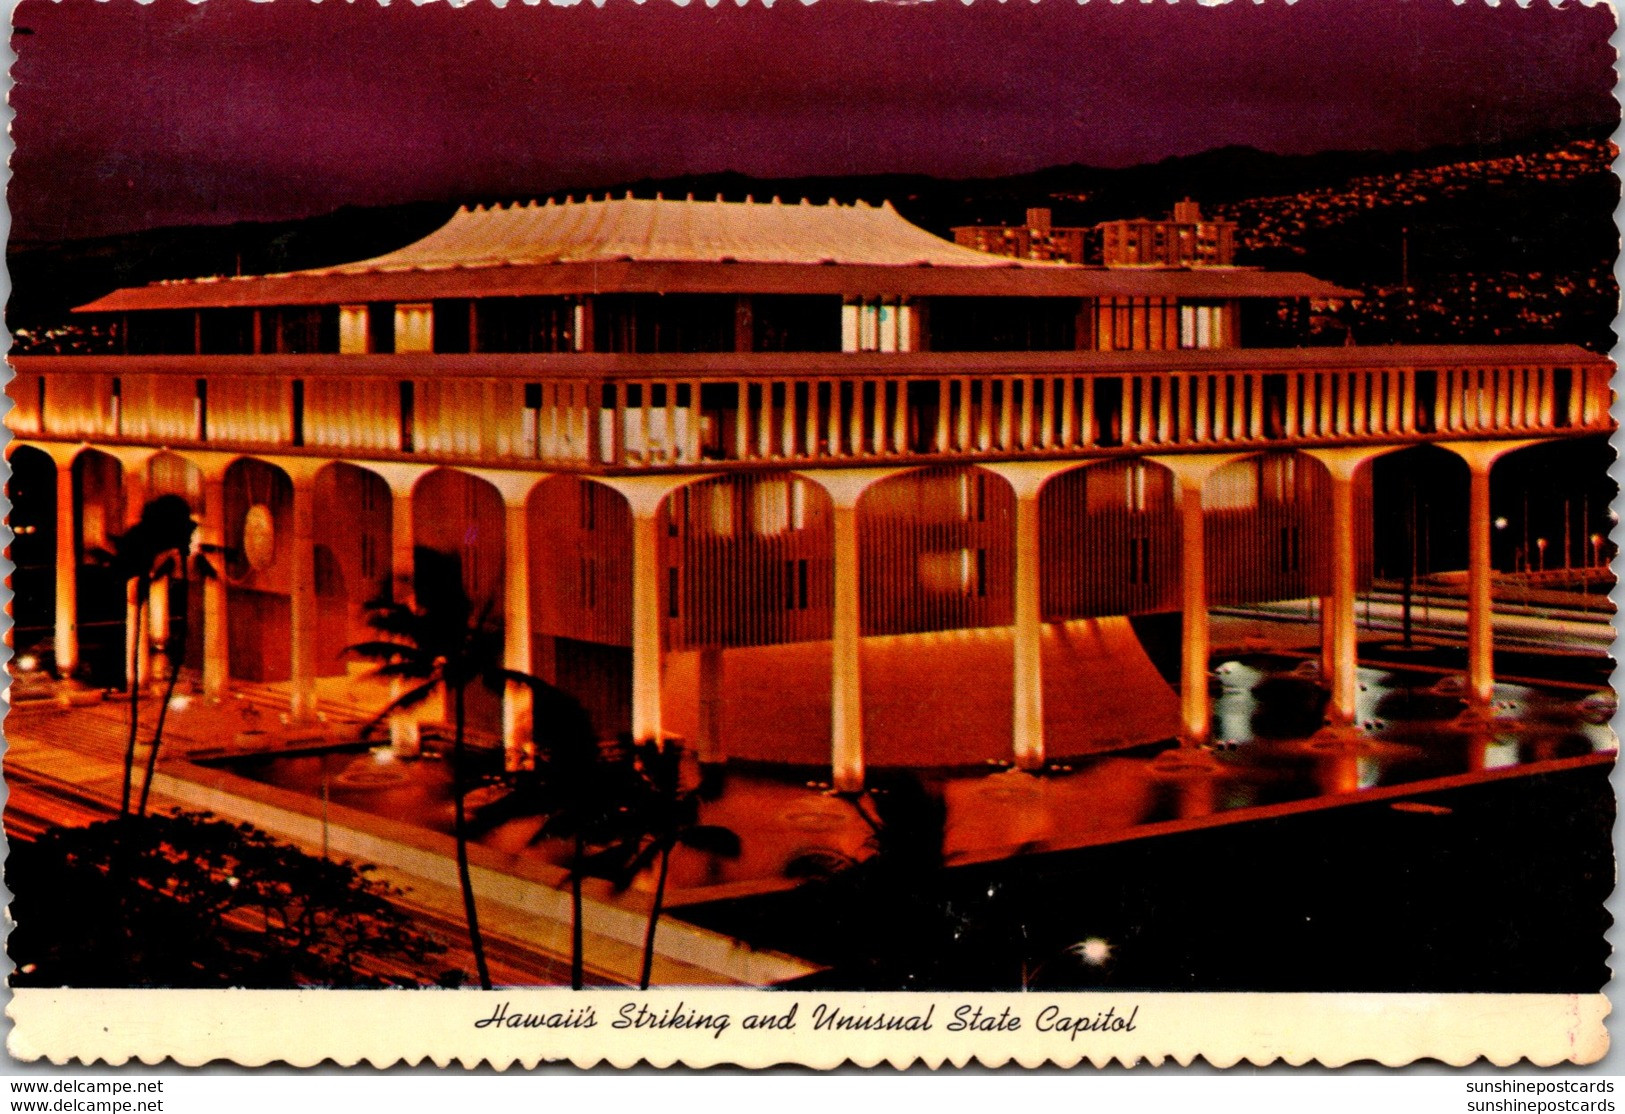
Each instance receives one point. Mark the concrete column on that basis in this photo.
(644, 495)
(137, 635)
(404, 737)
(1190, 474)
(67, 574)
(1341, 618)
(1028, 638)
(845, 487)
(846, 693)
(1480, 457)
(1339, 642)
(1480, 610)
(518, 746)
(158, 627)
(1027, 479)
(1195, 712)
(302, 625)
(645, 626)
(402, 478)
(212, 532)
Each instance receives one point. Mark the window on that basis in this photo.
(297, 432)
(1427, 399)
(200, 409)
(1139, 560)
(414, 327)
(380, 325)
(877, 327)
(1291, 549)
(795, 584)
(1134, 488)
(408, 417)
(354, 330)
(530, 431)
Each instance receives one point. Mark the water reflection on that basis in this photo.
(1271, 748)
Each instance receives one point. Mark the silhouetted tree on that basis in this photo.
(583, 788)
(159, 545)
(442, 643)
(665, 813)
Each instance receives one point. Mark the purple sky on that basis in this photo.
(133, 115)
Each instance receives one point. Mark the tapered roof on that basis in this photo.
(656, 246)
(641, 230)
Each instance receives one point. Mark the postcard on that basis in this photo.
(810, 532)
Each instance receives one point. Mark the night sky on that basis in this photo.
(131, 116)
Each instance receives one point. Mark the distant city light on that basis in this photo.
(27, 663)
(1501, 523)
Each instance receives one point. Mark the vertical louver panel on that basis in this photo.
(1268, 529)
(580, 561)
(746, 561)
(1109, 541)
(936, 551)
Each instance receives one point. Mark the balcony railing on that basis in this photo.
(633, 413)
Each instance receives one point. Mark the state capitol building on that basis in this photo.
(794, 483)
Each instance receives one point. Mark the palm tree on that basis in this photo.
(197, 566)
(445, 644)
(584, 791)
(156, 546)
(666, 814)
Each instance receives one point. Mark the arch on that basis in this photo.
(1419, 496)
(98, 482)
(459, 521)
(1109, 541)
(257, 514)
(1557, 490)
(100, 516)
(460, 517)
(749, 573)
(936, 551)
(1268, 529)
(352, 539)
(580, 555)
(749, 561)
(172, 473)
(31, 490)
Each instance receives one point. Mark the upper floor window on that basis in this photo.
(877, 326)
(414, 327)
(200, 409)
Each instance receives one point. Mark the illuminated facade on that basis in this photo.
(796, 483)
(1038, 238)
(1185, 240)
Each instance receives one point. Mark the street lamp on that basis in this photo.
(1540, 545)
(1596, 550)
(1501, 524)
